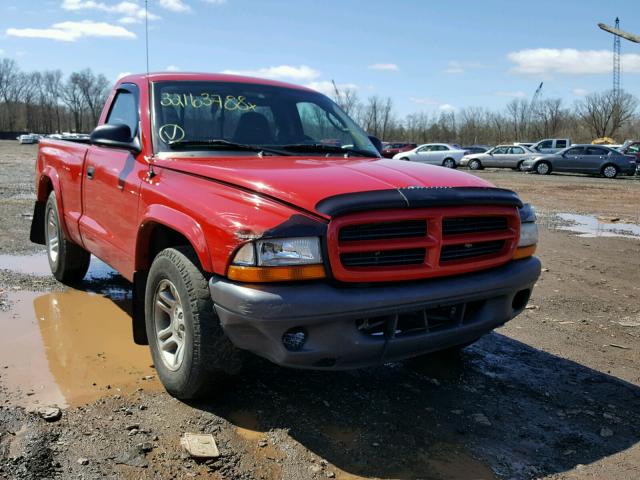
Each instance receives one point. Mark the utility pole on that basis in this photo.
(616, 61)
(617, 35)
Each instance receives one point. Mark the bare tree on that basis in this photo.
(74, 100)
(94, 90)
(605, 113)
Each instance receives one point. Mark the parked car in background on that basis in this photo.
(631, 147)
(28, 138)
(502, 156)
(476, 148)
(389, 149)
(551, 145)
(593, 159)
(444, 154)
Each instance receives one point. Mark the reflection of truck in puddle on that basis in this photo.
(70, 347)
(243, 228)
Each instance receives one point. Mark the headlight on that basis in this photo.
(278, 259)
(528, 232)
(289, 251)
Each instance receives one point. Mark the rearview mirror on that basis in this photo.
(376, 143)
(116, 136)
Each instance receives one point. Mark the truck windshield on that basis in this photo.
(228, 116)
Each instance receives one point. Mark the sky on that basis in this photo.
(429, 56)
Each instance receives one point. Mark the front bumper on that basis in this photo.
(255, 317)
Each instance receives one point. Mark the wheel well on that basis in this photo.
(157, 238)
(449, 158)
(45, 187)
(609, 165)
(154, 238)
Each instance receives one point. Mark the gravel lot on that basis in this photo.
(554, 394)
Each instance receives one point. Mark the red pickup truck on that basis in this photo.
(253, 215)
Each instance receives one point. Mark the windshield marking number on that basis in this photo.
(230, 102)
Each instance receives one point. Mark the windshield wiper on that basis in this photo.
(227, 144)
(323, 147)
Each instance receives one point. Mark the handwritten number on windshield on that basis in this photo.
(229, 102)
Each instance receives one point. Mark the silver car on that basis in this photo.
(593, 159)
(502, 156)
(444, 154)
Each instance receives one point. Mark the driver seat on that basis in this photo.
(253, 128)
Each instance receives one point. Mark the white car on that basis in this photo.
(444, 154)
(502, 156)
(28, 138)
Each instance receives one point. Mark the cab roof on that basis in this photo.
(205, 77)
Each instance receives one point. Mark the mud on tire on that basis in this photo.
(69, 262)
(208, 356)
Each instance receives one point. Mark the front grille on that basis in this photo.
(463, 225)
(411, 256)
(397, 245)
(383, 231)
(470, 250)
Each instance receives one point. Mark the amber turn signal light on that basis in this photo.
(275, 274)
(524, 252)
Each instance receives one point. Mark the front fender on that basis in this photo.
(176, 220)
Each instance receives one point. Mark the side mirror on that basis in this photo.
(116, 136)
(376, 143)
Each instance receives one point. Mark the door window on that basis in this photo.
(500, 150)
(561, 144)
(597, 151)
(546, 144)
(516, 150)
(574, 151)
(124, 111)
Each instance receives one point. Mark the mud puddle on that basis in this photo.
(591, 226)
(38, 265)
(68, 348)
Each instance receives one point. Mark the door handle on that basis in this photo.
(90, 172)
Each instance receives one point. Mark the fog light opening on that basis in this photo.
(294, 339)
(520, 300)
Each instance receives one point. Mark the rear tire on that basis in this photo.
(449, 163)
(543, 168)
(68, 262)
(519, 166)
(610, 171)
(190, 351)
(475, 165)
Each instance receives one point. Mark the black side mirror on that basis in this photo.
(117, 136)
(376, 143)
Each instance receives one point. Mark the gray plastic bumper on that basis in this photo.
(256, 316)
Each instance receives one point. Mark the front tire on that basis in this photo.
(190, 351)
(475, 165)
(449, 163)
(543, 168)
(68, 262)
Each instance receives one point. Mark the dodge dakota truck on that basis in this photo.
(255, 216)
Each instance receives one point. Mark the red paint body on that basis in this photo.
(210, 200)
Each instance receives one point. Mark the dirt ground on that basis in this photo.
(554, 394)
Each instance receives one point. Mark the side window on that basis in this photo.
(321, 126)
(546, 144)
(426, 148)
(500, 150)
(124, 111)
(516, 151)
(574, 151)
(633, 149)
(561, 144)
(597, 151)
(442, 148)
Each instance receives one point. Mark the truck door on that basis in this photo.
(111, 187)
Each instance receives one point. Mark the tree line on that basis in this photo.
(597, 115)
(49, 102)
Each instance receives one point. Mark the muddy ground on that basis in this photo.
(554, 394)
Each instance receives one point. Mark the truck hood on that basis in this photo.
(305, 181)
